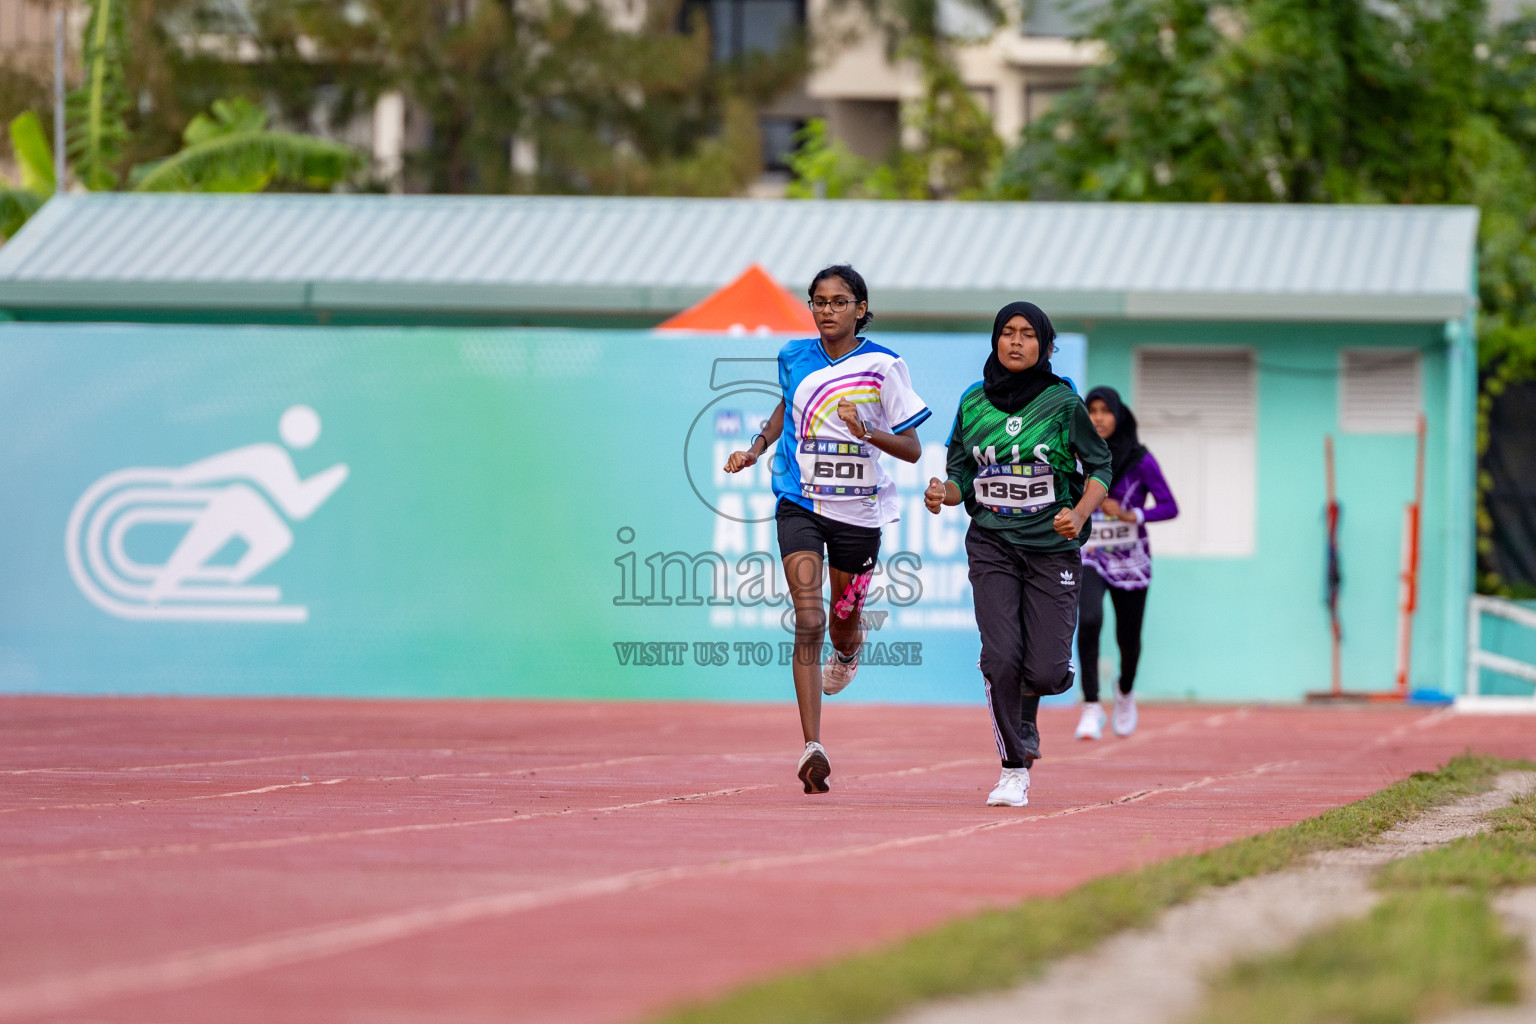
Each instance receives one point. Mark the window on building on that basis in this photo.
(1379, 390)
(986, 98)
(1198, 412)
(1060, 17)
(740, 27)
(1038, 100)
(963, 21)
(778, 134)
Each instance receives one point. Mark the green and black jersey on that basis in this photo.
(1017, 470)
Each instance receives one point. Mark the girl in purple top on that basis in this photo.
(1118, 558)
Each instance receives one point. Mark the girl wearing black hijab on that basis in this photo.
(1119, 559)
(1014, 452)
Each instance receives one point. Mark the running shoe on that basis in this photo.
(1091, 725)
(1012, 789)
(814, 768)
(1124, 719)
(836, 674)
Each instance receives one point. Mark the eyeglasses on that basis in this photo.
(836, 305)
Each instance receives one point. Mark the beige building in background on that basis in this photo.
(1013, 71)
(26, 36)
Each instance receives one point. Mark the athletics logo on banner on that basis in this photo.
(245, 496)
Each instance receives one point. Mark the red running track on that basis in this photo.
(176, 860)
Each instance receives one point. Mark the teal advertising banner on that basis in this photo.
(421, 512)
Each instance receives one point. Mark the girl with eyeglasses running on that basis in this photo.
(846, 401)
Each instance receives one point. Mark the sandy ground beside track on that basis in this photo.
(1158, 975)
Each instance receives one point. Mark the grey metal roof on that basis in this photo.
(657, 255)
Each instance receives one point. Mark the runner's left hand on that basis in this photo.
(850, 414)
(1068, 523)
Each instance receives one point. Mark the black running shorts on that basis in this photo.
(851, 549)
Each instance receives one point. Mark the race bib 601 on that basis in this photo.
(836, 469)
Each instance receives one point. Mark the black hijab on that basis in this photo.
(1011, 391)
(1125, 447)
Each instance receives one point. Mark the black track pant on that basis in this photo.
(1130, 609)
(1026, 609)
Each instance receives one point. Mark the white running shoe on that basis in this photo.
(1091, 725)
(837, 674)
(1125, 714)
(814, 768)
(1012, 789)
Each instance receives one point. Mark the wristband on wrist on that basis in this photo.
(752, 444)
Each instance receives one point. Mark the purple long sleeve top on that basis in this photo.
(1127, 564)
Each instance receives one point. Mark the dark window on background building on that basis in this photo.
(740, 27)
(1060, 17)
(778, 141)
(1038, 100)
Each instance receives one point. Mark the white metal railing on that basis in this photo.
(1478, 659)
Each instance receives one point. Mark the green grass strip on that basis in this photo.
(1433, 944)
(1417, 955)
(1504, 855)
(996, 949)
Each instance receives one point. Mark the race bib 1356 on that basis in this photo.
(1019, 489)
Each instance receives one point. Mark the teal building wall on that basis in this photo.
(1257, 627)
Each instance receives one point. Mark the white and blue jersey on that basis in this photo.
(820, 465)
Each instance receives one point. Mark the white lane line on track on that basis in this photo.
(134, 852)
(86, 770)
(66, 992)
(235, 845)
(122, 769)
(507, 773)
(174, 799)
(435, 751)
(304, 839)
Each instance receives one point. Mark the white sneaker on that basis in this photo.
(1125, 714)
(1012, 789)
(835, 675)
(1091, 725)
(814, 768)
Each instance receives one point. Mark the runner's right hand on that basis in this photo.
(740, 461)
(933, 497)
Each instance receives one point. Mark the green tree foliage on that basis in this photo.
(231, 150)
(1266, 101)
(228, 150)
(20, 200)
(606, 108)
(1357, 101)
(824, 168)
(97, 111)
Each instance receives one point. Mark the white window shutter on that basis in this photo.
(1198, 412)
(1379, 390)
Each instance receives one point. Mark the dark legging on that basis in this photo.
(1130, 607)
